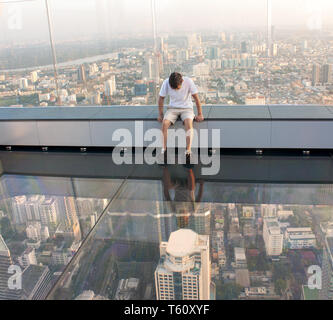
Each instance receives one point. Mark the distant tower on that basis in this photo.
(151, 69)
(326, 73)
(274, 49)
(34, 76)
(81, 74)
(315, 74)
(110, 86)
(183, 272)
(23, 83)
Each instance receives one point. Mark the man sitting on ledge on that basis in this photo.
(180, 90)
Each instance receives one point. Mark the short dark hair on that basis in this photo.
(175, 80)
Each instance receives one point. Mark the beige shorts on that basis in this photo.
(172, 114)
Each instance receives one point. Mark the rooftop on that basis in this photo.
(182, 243)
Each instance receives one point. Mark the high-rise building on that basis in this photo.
(151, 68)
(36, 282)
(274, 49)
(326, 74)
(315, 74)
(67, 212)
(23, 83)
(273, 237)
(110, 86)
(18, 210)
(48, 211)
(6, 293)
(183, 272)
(34, 76)
(93, 69)
(81, 74)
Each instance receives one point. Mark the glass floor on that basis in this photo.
(76, 226)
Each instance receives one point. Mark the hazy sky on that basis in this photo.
(78, 18)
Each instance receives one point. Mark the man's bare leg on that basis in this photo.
(189, 134)
(165, 126)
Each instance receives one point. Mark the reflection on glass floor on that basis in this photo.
(173, 235)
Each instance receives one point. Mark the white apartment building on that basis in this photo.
(273, 237)
(299, 238)
(27, 258)
(184, 271)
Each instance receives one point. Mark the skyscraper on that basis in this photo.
(81, 74)
(5, 262)
(34, 76)
(183, 272)
(110, 86)
(315, 74)
(326, 74)
(151, 69)
(23, 83)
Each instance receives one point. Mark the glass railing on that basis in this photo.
(98, 52)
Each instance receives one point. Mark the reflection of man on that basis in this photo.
(180, 90)
(180, 193)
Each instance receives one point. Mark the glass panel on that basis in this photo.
(301, 54)
(182, 237)
(105, 52)
(218, 43)
(43, 223)
(26, 71)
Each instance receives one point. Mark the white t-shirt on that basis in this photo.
(181, 98)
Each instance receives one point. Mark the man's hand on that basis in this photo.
(199, 118)
(160, 117)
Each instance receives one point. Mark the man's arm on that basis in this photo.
(160, 108)
(199, 117)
